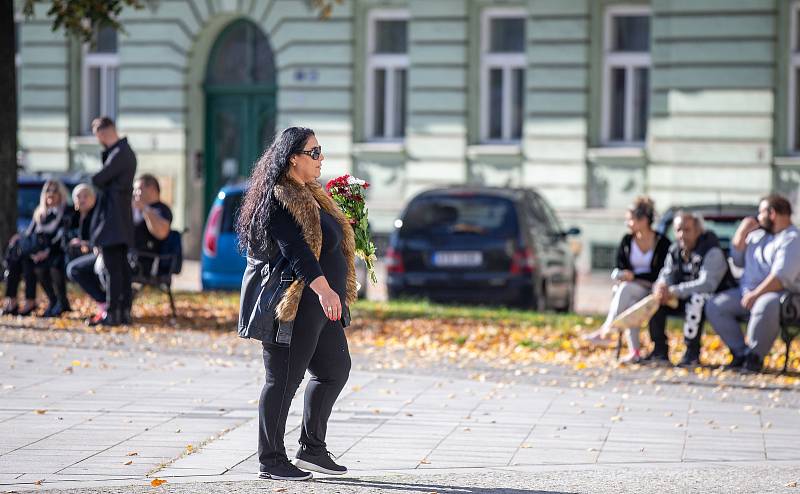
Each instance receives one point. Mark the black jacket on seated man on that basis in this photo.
(692, 277)
(144, 240)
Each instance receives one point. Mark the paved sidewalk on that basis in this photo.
(77, 417)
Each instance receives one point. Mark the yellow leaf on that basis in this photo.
(580, 365)
(41, 412)
(157, 482)
(76, 363)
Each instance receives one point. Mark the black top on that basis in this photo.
(331, 258)
(80, 228)
(112, 223)
(144, 241)
(660, 254)
(292, 245)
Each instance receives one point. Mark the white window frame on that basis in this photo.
(506, 62)
(630, 61)
(18, 20)
(104, 62)
(794, 66)
(390, 62)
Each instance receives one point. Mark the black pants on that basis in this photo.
(52, 277)
(18, 270)
(81, 271)
(118, 274)
(320, 346)
(692, 311)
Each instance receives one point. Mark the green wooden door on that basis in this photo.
(240, 105)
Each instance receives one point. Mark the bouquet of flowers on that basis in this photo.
(348, 193)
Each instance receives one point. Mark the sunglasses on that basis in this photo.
(314, 152)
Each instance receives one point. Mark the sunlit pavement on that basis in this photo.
(77, 417)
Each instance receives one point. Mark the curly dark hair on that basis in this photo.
(259, 202)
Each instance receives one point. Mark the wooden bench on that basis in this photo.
(162, 266)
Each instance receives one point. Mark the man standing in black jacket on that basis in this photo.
(112, 225)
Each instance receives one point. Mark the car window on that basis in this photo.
(481, 215)
(27, 200)
(542, 214)
(230, 211)
(723, 228)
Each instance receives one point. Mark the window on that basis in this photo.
(387, 74)
(626, 75)
(18, 61)
(100, 78)
(502, 74)
(794, 79)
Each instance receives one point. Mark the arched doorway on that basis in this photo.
(240, 104)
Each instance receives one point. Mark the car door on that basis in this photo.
(557, 257)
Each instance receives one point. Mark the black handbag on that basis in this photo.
(263, 286)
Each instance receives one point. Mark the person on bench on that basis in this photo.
(151, 221)
(769, 250)
(695, 269)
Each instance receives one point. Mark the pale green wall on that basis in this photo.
(718, 101)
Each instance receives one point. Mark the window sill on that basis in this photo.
(789, 160)
(629, 155)
(498, 149)
(379, 147)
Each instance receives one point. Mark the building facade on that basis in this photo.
(590, 101)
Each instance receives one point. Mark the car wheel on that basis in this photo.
(569, 301)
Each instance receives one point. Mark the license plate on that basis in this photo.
(454, 259)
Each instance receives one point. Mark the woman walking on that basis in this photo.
(287, 219)
(640, 257)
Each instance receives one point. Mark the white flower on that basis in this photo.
(355, 181)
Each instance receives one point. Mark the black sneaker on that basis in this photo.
(753, 364)
(689, 360)
(320, 463)
(656, 358)
(735, 364)
(283, 470)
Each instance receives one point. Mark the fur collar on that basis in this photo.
(299, 201)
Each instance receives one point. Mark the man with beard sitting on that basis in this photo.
(769, 250)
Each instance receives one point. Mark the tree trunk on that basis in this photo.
(8, 124)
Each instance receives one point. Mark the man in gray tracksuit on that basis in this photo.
(768, 247)
(695, 269)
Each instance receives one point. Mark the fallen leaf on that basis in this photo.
(40, 412)
(791, 484)
(38, 482)
(129, 462)
(132, 453)
(76, 363)
(158, 482)
(425, 461)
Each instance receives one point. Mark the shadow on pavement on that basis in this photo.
(423, 486)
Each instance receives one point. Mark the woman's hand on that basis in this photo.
(627, 275)
(14, 239)
(328, 299)
(40, 256)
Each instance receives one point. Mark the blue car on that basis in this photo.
(222, 265)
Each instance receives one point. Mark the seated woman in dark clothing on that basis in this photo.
(39, 249)
(81, 258)
(640, 257)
